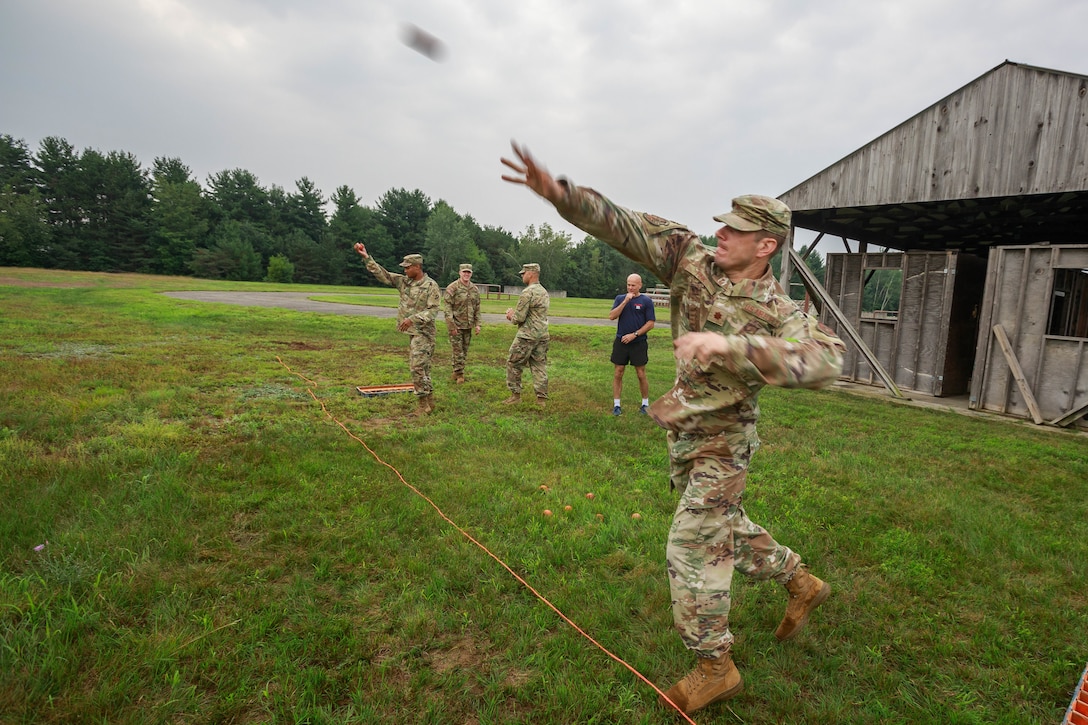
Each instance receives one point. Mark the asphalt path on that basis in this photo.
(301, 302)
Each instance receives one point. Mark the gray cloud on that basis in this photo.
(669, 107)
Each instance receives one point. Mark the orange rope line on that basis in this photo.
(483, 548)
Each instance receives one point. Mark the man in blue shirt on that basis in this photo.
(635, 312)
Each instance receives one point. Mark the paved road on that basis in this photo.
(301, 302)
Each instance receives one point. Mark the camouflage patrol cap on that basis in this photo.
(531, 267)
(465, 268)
(410, 259)
(752, 212)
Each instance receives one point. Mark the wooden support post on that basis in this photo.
(812, 246)
(786, 273)
(817, 290)
(1018, 374)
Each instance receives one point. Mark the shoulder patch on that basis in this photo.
(655, 222)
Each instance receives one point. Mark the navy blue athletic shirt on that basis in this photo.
(634, 315)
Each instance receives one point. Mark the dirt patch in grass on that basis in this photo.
(462, 655)
(16, 282)
(295, 345)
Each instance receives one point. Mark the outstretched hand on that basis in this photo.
(532, 174)
(361, 249)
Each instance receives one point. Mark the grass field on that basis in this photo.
(194, 530)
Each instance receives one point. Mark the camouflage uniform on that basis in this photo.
(419, 303)
(530, 346)
(462, 304)
(711, 411)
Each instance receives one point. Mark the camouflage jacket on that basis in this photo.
(770, 340)
(531, 314)
(418, 298)
(462, 305)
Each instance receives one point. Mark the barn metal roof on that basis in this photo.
(1001, 161)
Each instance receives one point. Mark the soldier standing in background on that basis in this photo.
(462, 302)
(415, 315)
(734, 330)
(530, 346)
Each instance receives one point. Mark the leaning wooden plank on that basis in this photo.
(1018, 374)
(817, 290)
(1071, 416)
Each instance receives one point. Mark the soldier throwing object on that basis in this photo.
(734, 331)
(415, 316)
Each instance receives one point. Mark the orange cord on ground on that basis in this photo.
(483, 548)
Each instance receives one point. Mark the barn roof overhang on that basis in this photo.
(1001, 161)
(965, 225)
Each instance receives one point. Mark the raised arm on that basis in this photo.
(657, 244)
(617, 308)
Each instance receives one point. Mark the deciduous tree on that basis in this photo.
(448, 245)
(548, 248)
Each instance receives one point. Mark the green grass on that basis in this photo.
(219, 550)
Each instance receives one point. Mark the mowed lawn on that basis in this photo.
(201, 521)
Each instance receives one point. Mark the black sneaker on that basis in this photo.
(617, 411)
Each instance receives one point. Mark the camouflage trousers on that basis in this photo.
(420, 352)
(460, 341)
(711, 536)
(533, 353)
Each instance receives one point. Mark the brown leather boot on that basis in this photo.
(459, 378)
(712, 680)
(513, 399)
(541, 402)
(806, 593)
(424, 405)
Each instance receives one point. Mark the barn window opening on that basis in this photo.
(1069, 303)
(880, 298)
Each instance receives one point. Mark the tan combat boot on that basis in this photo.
(424, 405)
(459, 378)
(513, 399)
(712, 680)
(541, 402)
(806, 593)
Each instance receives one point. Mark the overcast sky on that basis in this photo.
(669, 107)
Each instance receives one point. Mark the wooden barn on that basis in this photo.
(980, 203)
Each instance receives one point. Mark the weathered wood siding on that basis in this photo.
(1019, 288)
(1016, 130)
(928, 346)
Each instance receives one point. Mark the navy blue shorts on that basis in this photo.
(637, 353)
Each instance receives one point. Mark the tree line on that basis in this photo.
(84, 210)
(87, 210)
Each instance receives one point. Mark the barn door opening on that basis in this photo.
(917, 311)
